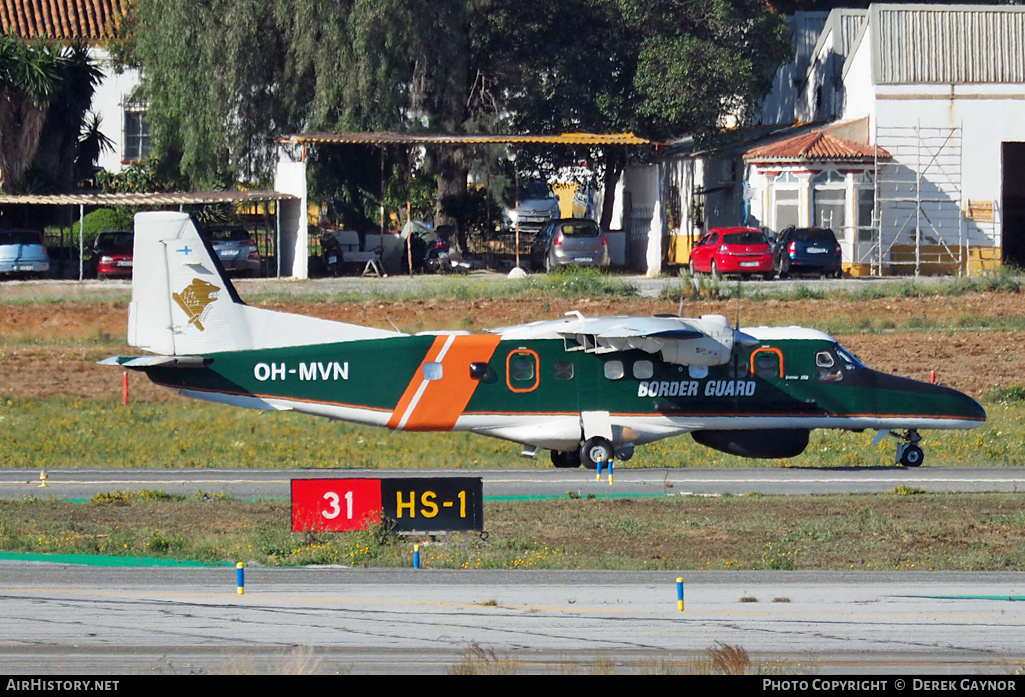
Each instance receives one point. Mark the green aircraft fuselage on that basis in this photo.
(809, 382)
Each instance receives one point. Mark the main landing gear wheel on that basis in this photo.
(912, 456)
(909, 454)
(595, 450)
(566, 458)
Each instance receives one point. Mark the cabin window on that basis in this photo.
(433, 371)
(614, 370)
(563, 370)
(767, 363)
(698, 372)
(521, 370)
(643, 370)
(479, 371)
(738, 369)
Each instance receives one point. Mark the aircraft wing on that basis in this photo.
(707, 341)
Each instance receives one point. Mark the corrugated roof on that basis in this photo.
(63, 19)
(391, 138)
(937, 44)
(174, 198)
(817, 145)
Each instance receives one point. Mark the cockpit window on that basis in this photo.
(851, 361)
(832, 364)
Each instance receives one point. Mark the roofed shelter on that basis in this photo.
(290, 176)
(286, 209)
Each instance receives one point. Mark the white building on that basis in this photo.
(909, 143)
(95, 22)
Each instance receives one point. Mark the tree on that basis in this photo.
(45, 93)
(215, 82)
(61, 156)
(658, 68)
(222, 77)
(30, 73)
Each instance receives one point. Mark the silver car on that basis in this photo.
(569, 242)
(235, 248)
(23, 252)
(537, 204)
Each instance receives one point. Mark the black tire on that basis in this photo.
(595, 450)
(565, 459)
(912, 456)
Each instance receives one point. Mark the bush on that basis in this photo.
(101, 220)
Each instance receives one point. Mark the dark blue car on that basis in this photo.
(811, 250)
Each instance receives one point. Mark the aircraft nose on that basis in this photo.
(972, 409)
(927, 400)
(950, 403)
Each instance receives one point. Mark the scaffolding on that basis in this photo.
(918, 223)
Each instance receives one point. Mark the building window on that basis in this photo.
(866, 207)
(829, 202)
(786, 201)
(138, 143)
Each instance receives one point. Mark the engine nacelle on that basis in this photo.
(764, 443)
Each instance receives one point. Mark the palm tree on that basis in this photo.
(91, 144)
(66, 120)
(30, 73)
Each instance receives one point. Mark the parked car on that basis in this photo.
(537, 204)
(733, 250)
(235, 248)
(807, 250)
(23, 252)
(569, 242)
(112, 253)
(585, 200)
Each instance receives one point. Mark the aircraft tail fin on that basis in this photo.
(184, 304)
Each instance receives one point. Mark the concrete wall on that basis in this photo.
(290, 178)
(108, 100)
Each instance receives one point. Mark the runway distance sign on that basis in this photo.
(412, 504)
(335, 504)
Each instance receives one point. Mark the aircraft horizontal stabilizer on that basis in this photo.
(141, 362)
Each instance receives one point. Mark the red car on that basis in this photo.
(112, 254)
(732, 250)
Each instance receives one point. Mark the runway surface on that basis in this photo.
(66, 619)
(544, 481)
(69, 619)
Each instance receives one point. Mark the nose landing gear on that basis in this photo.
(909, 454)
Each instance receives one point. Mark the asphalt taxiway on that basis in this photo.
(85, 620)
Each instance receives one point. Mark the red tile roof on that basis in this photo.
(63, 19)
(817, 145)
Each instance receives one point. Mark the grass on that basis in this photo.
(51, 433)
(836, 532)
(1006, 280)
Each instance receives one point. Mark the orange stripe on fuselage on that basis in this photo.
(441, 402)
